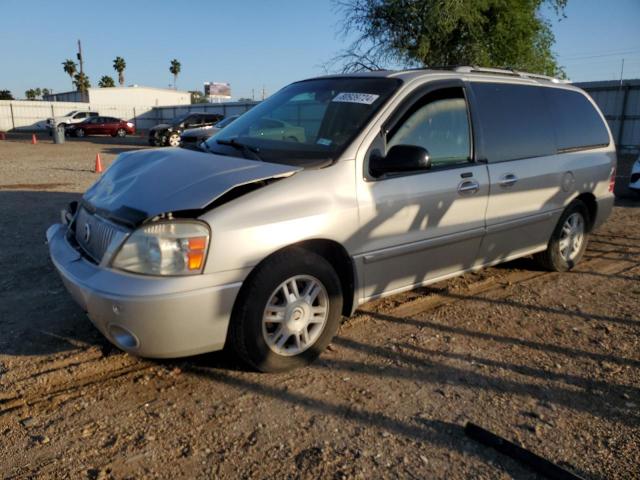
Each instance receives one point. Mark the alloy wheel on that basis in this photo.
(295, 315)
(571, 236)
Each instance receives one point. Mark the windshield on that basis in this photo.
(309, 122)
(180, 119)
(72, 112)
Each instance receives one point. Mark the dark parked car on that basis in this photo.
(169, 133)
(115, 127)
(193, 137)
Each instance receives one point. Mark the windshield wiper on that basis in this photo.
(247, 150)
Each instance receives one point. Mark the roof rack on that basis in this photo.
(510, 72)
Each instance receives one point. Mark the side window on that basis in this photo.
(267, 123)
(577, 122)
(515, 121)
(80, 115)
(439, 122)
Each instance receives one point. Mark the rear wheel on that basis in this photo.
(287, 312)
(121, 132)
(568, 241)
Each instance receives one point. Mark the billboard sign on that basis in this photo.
(217, 89)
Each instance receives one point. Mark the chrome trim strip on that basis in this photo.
(519, 222)
(422, 245)
(475, 268)
(395, 251)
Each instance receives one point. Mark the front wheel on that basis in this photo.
(568, 241)
(121, 133)
(174, 140)
(80, 132)
(288, 311)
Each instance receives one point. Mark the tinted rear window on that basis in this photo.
(515, 121)
(578, 124)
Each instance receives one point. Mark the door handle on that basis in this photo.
(468, 188)
(508, 180)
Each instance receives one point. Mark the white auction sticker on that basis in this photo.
(352, 97)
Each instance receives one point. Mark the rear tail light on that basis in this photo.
(612, 180)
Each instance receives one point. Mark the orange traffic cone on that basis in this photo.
(98, 167)
(34, 139)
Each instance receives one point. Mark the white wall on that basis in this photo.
(138, 96)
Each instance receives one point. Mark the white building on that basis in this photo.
(130, 96)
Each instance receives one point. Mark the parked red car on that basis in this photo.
(102, 126)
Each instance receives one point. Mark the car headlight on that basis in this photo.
(165, 248)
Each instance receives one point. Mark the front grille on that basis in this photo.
(94, 234)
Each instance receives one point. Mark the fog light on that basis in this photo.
(122, 337)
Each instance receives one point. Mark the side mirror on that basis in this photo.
(401, 158)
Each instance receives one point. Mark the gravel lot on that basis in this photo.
(551, 361)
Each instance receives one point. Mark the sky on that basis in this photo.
(252, 44)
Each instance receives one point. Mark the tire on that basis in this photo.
(121, 132)
(173, 140)
(560, 257)
(258, 326)
(79, 132)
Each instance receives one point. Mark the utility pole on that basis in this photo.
(263, 92)
(253, 94)
(79, 55)
(621, 72)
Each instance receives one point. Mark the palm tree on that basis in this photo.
(119, 65)
(70, 68)
(82, 83)
(175, 70)
(45, 92)
(30, 94)
(106, 81)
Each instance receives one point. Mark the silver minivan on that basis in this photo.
(263, 240)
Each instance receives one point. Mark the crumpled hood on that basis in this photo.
(146, 183)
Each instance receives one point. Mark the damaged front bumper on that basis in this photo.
(149, 316)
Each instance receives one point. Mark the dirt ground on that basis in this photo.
(550, 361)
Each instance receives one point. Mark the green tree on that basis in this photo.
(106, 81)
(174, 68)
(45, 92)
(81, 82)
(198, 97)
(70, 68)
(38, 92)
(496, 33)
(119, 65)
(6, 95)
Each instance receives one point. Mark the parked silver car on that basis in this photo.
(401, 179)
